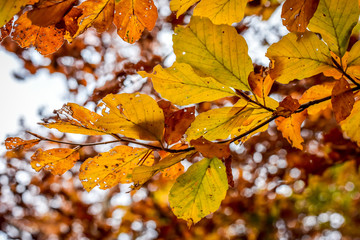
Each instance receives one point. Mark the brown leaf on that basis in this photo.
(49, 12)
(296, 14)
(177, 123)
(210, 149)
(260, 83)
(287, 107)
(16, 143)
(71, 19)
(342, 100)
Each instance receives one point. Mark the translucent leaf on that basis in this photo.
(209, 149)
(77, 120)
(133, 16)
(342, 100)
(219, 123)
(9, 8)
(353, 62)
(46, 40)
(113, 167)
(217, 51)
(16, 143)
(260, 84)
(48, 13)
(317, 92)
(221, 11)
(57, 160)
(132, 115)
(334, 20)
(182, 86)
(296, 14)
(199, 191)
(180, 6)
(291, 127)
(351, 124)
(142, 174)
(298, 57)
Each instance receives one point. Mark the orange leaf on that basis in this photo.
(47, 13)
(70, 21)
(210, 149)
(287, 106)
(260, 83)
(46, 40)
(133, 16)
(16, 143)
(317, 92)
(113, 167)
(57, 160)
(342, 100)
(296, 14)
(290, 128)
(173, 172)
(177, 123)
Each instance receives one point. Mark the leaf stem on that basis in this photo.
(247, 98)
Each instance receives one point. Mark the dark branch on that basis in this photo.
(344, 73)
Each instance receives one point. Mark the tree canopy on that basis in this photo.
(212, 144)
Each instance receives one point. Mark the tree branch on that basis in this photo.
(343, 72)
(247, 98)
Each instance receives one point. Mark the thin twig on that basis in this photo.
(344, 73)
(247, 98)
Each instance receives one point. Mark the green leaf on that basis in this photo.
(334, 20)
(217, 51)
(298, 57)
(199, 191)
(182, 86)
(142, 174)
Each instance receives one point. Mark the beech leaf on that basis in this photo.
(182, 86)
(212, 50)
(351, 124)
(57, 160)
(199, 191)
(209, 149)
(16, 143)
(113, 167)
(317, 92)
(342, 100)
(298, 57)
(132, 115)
(9, 8)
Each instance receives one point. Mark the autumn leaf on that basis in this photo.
(182, 86)
(217, 51)
(142, 174)
(16, 143)
(9, 8)
(180, 6)
(57, 160)
(334, 20)
(298, 57)
(353, 61)
(219, 123)
(351, 124)
(342, 100)
(77, 119)
(177, 123)
(296, 14)
(209, 149)
(260, 83)
(46, 40)
(133, 16)
(221, 11)
(199, 191)
(132, 115)
(47, 13)
(287, 106)
(113, 167)
(291, 127)
(315, 93)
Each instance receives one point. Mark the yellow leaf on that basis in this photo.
(142, 174)
(219, 123)
(353, 62)
(351, 124)
(132, 115)
(334, 20)
(9, 8)
(298, 57)
(221, 11)
(113, 167)
(57, 160)
(317, 92)
(180, 6)
(199, 191)
(182, 86)
(217, 51)
(77, 120)
(291, 127)
(133, 16)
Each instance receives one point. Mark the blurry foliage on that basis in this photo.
(275, 190)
